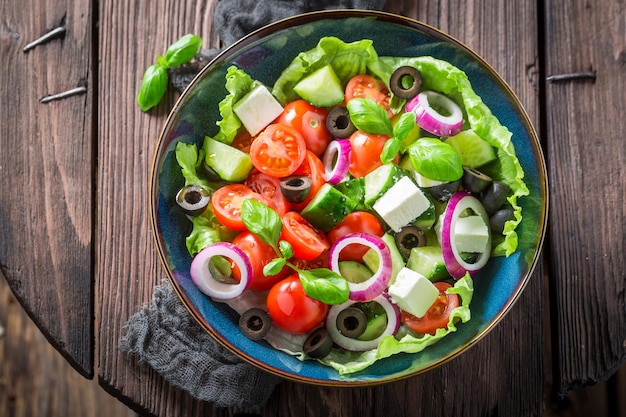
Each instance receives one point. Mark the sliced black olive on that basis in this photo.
(318, 344)
(210, 173)
(255, 323)
(501, 216)
(406, 82)
(193, 199)
(494, 196)
(443, 192)
(475, 181)
(408, 238)
(339, 124)
(296, 188)
(351, 322)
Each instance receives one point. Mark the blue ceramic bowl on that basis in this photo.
(264, 54)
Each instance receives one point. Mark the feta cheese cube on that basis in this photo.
(257, 109)
(401, 204)
(413, 292)
(471, 234)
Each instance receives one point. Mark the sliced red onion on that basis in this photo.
(336, 160)
(201, 275)
(355, 345)
(374, 286)
(430, 119)
(457, 267)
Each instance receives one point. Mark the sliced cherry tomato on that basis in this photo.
(312, 167)
(268, 187)
(227, 202)
(310, 121)
(307, 242)
(437, 316)
(260, 254)
(242, 141)
(355, 222)
(278, 150)
(366, 86)
(291, 309)
(365, 154)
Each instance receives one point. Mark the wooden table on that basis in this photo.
(76, 245)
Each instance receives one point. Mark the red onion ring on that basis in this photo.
(336, 160)
(374, 286)
(201, 275)
(355, 345)
(456, 266)
(430, 119)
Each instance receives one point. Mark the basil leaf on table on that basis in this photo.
(369, 117)
(436, 160)
(153, 87)
(262, 221)
(183, 50)
(324, 285)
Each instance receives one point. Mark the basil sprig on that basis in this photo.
(320, 284)
(154, 81)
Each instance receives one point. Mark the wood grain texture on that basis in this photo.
(505, 368)
(587, 156)
(46, 171)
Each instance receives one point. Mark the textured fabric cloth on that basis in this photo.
(164, 335)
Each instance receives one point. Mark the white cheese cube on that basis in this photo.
(413, 292)
(401, 204)
(257, 109)
(471, 234)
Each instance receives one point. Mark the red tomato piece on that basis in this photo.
(312, 167)
(307, 242)
(278, 150)
(227, 202)
(366, 86)
(355, 222)
(291, 309)
(268, 187)
(437, 316)
(365, 154)
(310, 121)
(260, 254)
(242, 141)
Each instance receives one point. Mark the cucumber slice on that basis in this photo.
(426, 220)
(380, 180)
(329, 207)
(428, 261)
(321, 88)
(354, 271)
(375, 328)
(397, 262)
(228, 162)
(474, 151)
(355, 189)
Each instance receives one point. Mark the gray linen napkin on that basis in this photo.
(164, 335)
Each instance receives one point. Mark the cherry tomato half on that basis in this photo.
(227, 202)
(260, 254)
(310, 121)
(268, 187)
(313, 168)
(437, 316)
(355, 222)
(365, 154)
(278, 150)
(366, 86)
(242, 141)
(291, 309)
(307, 242)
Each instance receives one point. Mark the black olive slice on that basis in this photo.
(295, 189)
(443, 192)
(351, 322)
(339, 124)
(500, 217)
(193, 199)
(318, 344)
(409, 237)
(475, 181)
(405, 82)
(494, 196)
(255, 323)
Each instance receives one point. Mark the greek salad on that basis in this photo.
(344, 211)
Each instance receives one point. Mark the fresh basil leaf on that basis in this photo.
(436, 160)
(369, 117)
(274, 266)
(390, 150)
(262, 221)
(183, 50)
(324, 285)
(285, 249)
(405, 125)
(153, 87)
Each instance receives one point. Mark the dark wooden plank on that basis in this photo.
(504, 370)
(46, 175)
(587, 155)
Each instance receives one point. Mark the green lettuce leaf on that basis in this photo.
(202, 235)
(190, 159)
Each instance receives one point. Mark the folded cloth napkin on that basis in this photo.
(164, 335)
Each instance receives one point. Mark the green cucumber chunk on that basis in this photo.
(321, 88)
(375, 327)
(354, 272)
(473, 150)
(426, 220)
(397, 262)
(228, 162)
(380, 180)
(328, 208)
(428, 261)
(354, 188)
